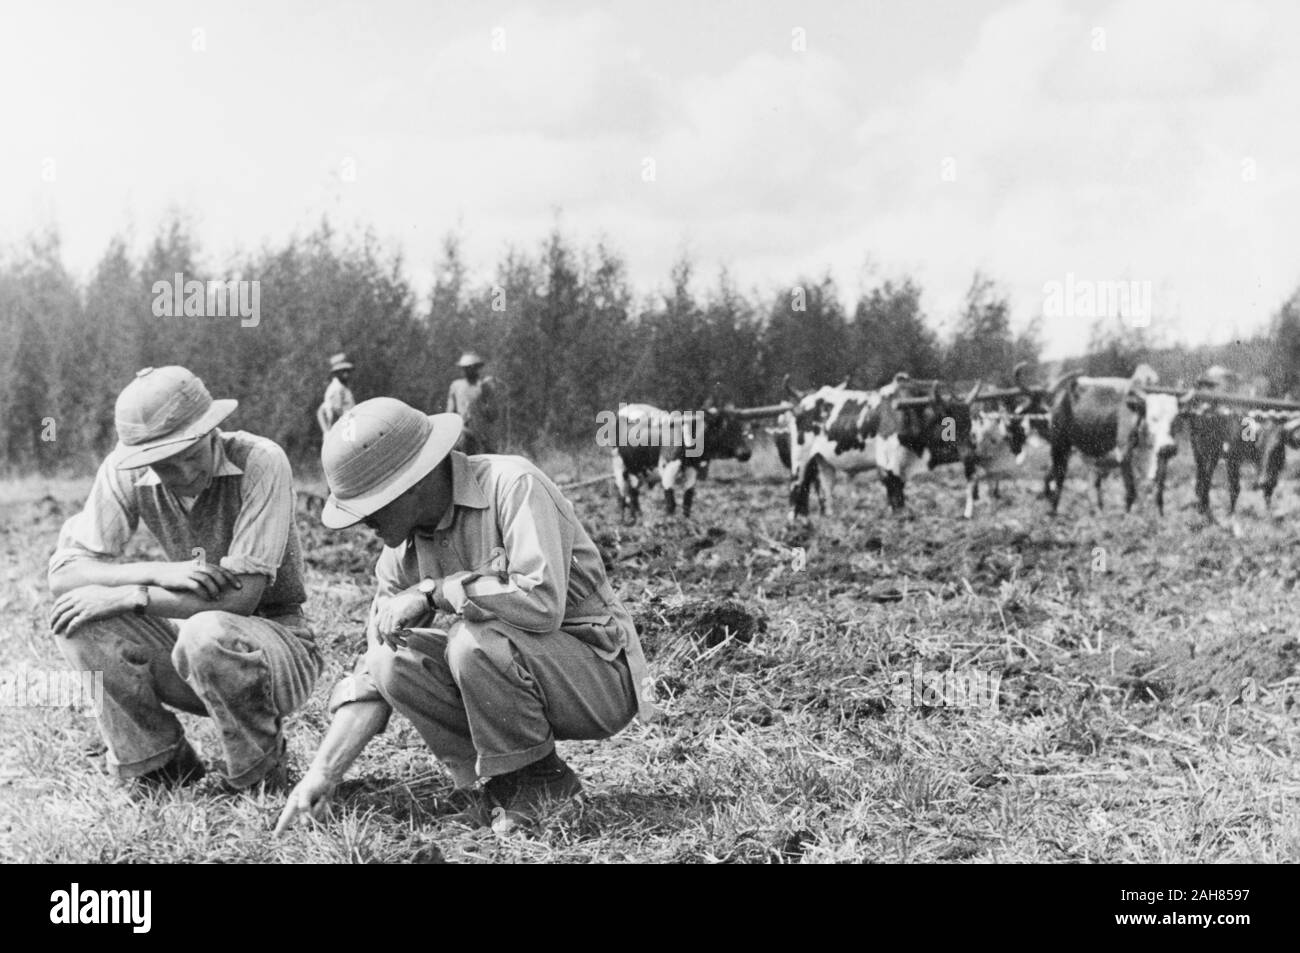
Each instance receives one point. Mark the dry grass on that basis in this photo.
(1146, 711)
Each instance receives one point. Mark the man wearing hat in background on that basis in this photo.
(474, 398)
(218, 628)
(539, 647)
(338, 396)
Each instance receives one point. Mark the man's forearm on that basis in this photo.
(97, 572)
(166, 604)
(353, 726)
(163, 603)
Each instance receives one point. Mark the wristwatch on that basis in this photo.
(141, 603)
(429, 587)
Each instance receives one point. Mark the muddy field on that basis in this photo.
(1132, 693)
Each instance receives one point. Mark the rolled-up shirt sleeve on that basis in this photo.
(261, 530)
(532, 597)
(106, 522)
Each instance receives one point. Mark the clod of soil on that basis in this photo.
(1227, 669)
(709, 622)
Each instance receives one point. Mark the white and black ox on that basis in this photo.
(1009, 435)
(903, 429)
(679, 446)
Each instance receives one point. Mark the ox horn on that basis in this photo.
(1018, 378)
(974, 392)
(1066, 379)
(1018, 373)
(789, 389)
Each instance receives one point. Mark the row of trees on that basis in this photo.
(560, 326)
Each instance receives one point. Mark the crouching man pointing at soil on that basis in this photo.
(540, 649)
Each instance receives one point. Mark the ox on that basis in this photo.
(892, 430)
(1002, 439)
(780, 434)
(679, 445)
(1162, 420)
(1236, 438)
(1102, 418)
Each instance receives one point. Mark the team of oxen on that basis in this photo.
(910, 427)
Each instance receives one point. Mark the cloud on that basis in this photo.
(1126, 161)
(555, 77)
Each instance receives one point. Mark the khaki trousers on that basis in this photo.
(247, 672)
(488, 698)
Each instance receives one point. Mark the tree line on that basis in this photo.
(560, 326)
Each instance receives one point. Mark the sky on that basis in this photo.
(1038, 142)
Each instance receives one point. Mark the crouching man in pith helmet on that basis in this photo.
(539, 647)
(216, 629)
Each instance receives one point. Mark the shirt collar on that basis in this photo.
(224, 466)
(465, 489)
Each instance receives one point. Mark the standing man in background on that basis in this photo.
(338, 396)
(474, 398)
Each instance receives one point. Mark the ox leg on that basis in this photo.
(799, 491)
(972, 486)
(1207, 458)
(1268, 480)
(1233, 466)
(688, 491)
(1097, 477)
(626, 485)
(798, 499)
(668, 473)
(825, 486)
(1130, 484)
(1162, 471)
(1274, 464)
(1056, 479)
(894, 491)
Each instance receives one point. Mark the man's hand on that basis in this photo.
(202, 579)
(310, 797)
(398, 613)
(85, 604)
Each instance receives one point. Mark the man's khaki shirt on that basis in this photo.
(510, 547)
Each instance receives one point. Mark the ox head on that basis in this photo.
(1003, 420)
(939, 422)
(727, 433)
(1164, 416)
